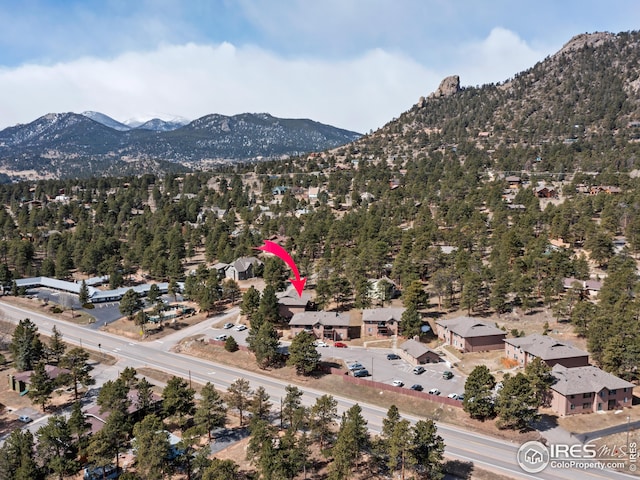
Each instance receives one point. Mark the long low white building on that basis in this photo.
(95, 295)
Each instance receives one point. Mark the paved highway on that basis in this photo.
(484, 451)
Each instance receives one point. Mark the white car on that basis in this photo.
(227, 326)
(397, 383)
(434, 391)
(240, 328)
(453, 396)
(222, 337)
(320, 344)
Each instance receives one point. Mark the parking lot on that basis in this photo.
(386, 371)
(374, 360)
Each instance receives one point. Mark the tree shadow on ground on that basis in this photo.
(458, 469)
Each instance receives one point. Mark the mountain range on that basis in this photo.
(59, 145)
(578, 109)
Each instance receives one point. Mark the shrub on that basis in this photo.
(230, 344)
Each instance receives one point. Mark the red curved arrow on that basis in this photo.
(278, 251)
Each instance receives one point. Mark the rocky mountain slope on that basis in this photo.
(67, 144)
(578, 109)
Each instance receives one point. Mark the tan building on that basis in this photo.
(587, 390)
(548, 349)
(324, 325)
(381, 321)
(416, 353)
(290, 303)
(470, 335)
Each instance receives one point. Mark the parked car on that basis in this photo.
(397, 383)
(340, 345)
(453, 396)
(393, 356)
(320, 343)
(418, 370)
(355, 366)
(363, 372)
(434, 391)
(461, 397)
(417, 387)
(222, 337)
(447, 375)
(227, 326)
(240, 328)
(24, 418)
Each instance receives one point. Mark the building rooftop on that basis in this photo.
(387, 314)
(333, 319)
(415, 348)
(546, 347)
(576, 380)
(468, 327)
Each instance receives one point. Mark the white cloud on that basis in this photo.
(498, 57)
(194, 80)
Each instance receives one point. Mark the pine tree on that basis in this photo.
(55, 447)
(323, 414)
(83, 295)
(411, 323)
(477, 393)
(303, 354)
(427, 450)
(178, 399)
(56, 348)
(41, 386)
(516, 404)
(76, 361)
(78, 424)
(250, 302)
(210, 412)
(260, 407)
(152, 447)
(26, 347)
(239, 397)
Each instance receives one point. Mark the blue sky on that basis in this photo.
(354, 64)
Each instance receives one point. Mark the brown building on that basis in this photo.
(587, 390)
(97, 419)
(416, 353)
(20, 381)
(324, 325)
(290, 303)
(548, 349)
(381, 321)
(470, 335)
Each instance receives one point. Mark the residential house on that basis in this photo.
(590, 287)
(588, 389)
(381, 321)
(290, 303)
(323, 325)
(97, 419)
(513, 181)
(546, 348)
(383, 289)
(19, 382)
(545, 192)
(313, 193)
(416, 353)
(243, 268)
(470, 335)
